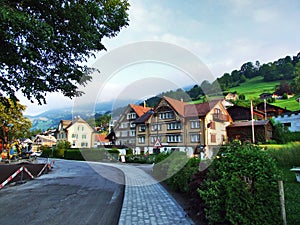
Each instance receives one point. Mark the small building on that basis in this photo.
(271, 110)
(240, 113)
(100, 140)
(44, 140)
(231, 96)
(242, 131)
(266, 95)
(290, 120)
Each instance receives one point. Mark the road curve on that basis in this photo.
(73, 193)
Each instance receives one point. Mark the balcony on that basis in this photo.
(220, 117)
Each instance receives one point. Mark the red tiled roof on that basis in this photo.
(140, 110)
(101, 138)
(178, 106)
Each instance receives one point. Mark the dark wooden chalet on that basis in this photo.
(240, 113)
(271, 110)
(263, 131)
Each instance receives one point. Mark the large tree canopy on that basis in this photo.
(12, 121)
(44, 44)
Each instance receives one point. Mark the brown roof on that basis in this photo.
(66, 123)
(178, 106)
(249, 123)
(140, 110)
(200, 109)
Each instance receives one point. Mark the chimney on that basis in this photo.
(144, 104)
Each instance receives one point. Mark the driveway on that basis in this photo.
(72, 193)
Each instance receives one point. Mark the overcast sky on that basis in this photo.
(223, 34)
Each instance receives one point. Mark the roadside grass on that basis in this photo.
(287, 156)
(292, 196)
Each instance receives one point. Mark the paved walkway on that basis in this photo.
(146, 201)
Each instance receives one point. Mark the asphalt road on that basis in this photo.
(72, 193)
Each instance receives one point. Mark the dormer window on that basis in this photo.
(131, 116)
(166, 115)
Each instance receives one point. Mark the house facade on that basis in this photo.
(242, 131)
(271, 110)
(289, 120)
(78, 132)
(177, 126)
(240, 113)
(125, 128)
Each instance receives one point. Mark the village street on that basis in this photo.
(72, 193)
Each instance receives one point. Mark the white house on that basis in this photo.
(78, 132)
(290, 120)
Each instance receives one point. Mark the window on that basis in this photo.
(141, 139)
(212, 125)
(174, 126)
(155, 127)
(213, 138)
(195, 138)
(84, 144)
(166, 115)
(174, 138)
(75, 136)
(142, 128)
(132, 133)
(124, 125)
(124, 133)
(84, 136)
(132, 125)
(195, 124)
(131, 116)
(154, 138)
(217, 112)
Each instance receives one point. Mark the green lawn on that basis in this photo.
(292, 196)
(287, 156)
(254, 87)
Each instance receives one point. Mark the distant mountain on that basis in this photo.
(51, 118)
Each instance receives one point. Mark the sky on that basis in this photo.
(223, 34)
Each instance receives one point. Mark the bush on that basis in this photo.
(241, 187)
(46, 151)
(86, 154)
(168, 164)
(180, 181)
(140, 159)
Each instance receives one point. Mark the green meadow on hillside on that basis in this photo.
(254, 87)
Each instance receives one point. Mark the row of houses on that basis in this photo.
(193, 128)
(173, 125)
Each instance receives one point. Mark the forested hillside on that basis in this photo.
(253, 78)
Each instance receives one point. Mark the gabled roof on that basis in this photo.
(200, 109)
(139, 110)
(178, 106)
(101, 138)
(66, 123)
(69, 123)
(249, 123)
(144, 117)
